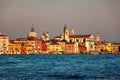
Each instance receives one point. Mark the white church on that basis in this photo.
(70, 36)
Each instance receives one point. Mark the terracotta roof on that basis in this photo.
(97, 43)
(79, 36)
(12, 42)
(19, 39)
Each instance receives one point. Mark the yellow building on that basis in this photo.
(62, 44)
(107, 46)
(29, 47)
(4, 41)
(14, 48)
(54, 48)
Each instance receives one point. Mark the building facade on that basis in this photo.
(54, 48)
(88, 39)
(4, 42)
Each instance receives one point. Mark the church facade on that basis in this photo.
(70, 36)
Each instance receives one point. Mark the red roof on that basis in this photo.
(76, 36)
(79, 36)
(12, 42)
(20, 39)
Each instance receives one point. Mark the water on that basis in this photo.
(60, 67)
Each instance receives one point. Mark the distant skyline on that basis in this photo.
(86, 16)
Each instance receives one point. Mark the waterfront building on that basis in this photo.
(29, 46)
(82, 48)
(4, 41)
(62, 43)
(76, 47)
(23, 42)
(54, 48)
(44, 46)
(106, 46)
(98, 44)
(88, 39)
(115, 47)
(36, 44)
(14, 47)
(69, 47)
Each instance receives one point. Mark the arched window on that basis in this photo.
(84, 40)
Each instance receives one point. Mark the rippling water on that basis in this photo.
(60, 67)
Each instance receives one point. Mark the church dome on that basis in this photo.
(32, 33)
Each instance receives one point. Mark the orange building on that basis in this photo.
(115, 47)
(69, 47)
(82, 48)
(36, 44)
(98, 46)
(14, 47)
(23, 42)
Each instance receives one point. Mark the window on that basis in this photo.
(77, 40)
(84, 40)
(70, 40)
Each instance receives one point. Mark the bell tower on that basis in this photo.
(66, 33)
(47, 35)
(97, 38)
(72, 32)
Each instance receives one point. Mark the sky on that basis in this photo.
(86, 16)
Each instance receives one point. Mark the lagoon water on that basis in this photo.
(60, 67)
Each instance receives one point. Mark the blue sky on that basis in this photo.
(86, 16)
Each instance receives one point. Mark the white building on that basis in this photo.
(88, 39)
(4, 41)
